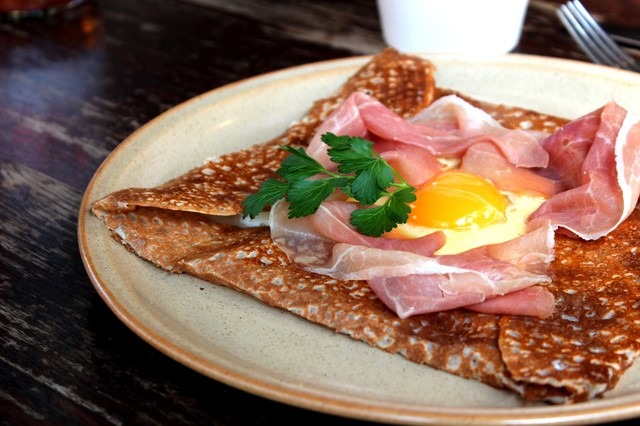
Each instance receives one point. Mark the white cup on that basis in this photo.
(454, 26)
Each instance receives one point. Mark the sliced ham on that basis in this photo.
(345, 120)
(532, 251)
(597, 160)
(533, 301)
(403, 273)
(309, 237)
(568, 149)
(484, 159)
(418, 294)
(415, 165)
(473, 125)
(332, 220)
(457, 126)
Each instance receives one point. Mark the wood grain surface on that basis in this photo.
(74, 85)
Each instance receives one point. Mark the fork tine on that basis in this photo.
(610, 48)
(591, 31)
(579, 35)
(596, 43)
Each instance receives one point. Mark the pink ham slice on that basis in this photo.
(533, 301)
(415, 165)
(484, 159)
(332, 220)
(472, 125)
(404, 274)
(597, 160)
(306, 239)
(457, 126)
(345, 120)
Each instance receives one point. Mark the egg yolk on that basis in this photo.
(457, 200)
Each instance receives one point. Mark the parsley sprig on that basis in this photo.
(362, 174)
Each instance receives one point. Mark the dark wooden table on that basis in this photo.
(72, 87)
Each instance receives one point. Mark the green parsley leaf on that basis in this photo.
(399, 200)
(361, 174)
(371, 182)
(271, 191)
(356, 155)
(298, 165)
(350, 153)
(305, 196)
(375, 221)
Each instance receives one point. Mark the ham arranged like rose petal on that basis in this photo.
(307, 238)
(473, 125)
(596, 159)
(346, 120)
(484, 159)
(403, 273)
(415, 165)
(590, 170)
(458, 125)
(533, 301)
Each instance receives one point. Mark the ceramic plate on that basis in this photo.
(237, 340)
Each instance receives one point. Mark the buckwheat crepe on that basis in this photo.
(576, 354)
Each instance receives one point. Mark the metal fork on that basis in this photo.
(593, 40)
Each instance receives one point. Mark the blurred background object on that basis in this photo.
(18, 9)
(453, 26)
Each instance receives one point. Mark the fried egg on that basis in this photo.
(469, 209)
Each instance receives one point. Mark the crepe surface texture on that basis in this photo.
(578, 353)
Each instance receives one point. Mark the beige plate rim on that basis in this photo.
(615, 408)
